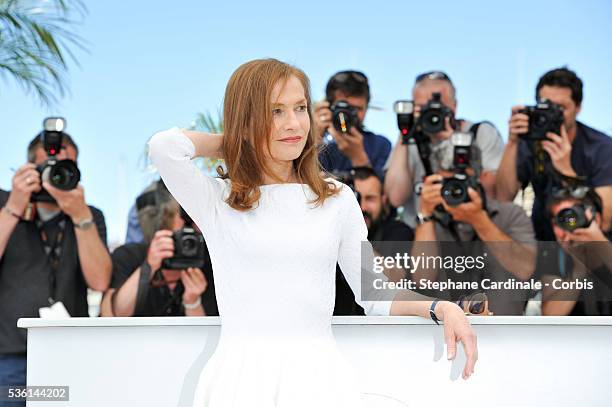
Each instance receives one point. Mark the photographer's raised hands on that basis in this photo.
(559, 148)
(25, 182)
(518, 124)
(161, 247)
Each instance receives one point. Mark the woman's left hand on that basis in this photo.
(458, 329)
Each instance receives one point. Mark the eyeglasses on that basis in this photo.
(344, 76)
(433, 75)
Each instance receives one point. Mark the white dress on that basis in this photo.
(275, 286)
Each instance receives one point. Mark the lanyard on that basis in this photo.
(53, 251)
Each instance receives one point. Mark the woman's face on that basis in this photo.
(290, 120)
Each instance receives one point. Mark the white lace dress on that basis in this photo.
(275, 286)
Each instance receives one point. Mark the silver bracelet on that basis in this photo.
(194, 305)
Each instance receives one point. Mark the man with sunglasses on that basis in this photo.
(578, 151)
(358, 147)
(405, 169)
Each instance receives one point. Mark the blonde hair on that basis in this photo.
(247, 113)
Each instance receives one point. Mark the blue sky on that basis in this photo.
(152, 65)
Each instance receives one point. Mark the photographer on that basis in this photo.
(382, 227)
(540, 154)
(378, 215)
(52, 248)
(582, 256)
(143, 283)
(405, 167)
(339, 123)
(455, 209)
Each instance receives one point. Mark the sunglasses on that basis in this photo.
(344, 76)
(433, 75)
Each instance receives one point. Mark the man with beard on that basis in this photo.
(382, 225)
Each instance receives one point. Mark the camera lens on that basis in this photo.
(64, 175)
(568, 219)
(540, 121)
(432, 122)
(189, 246)
(454, 192)
(342, 116)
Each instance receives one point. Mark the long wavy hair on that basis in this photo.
(247, 113)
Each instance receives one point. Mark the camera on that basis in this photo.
(573, 218)
(344, 116)
(62, 174)
(188, 250)
(544, 117)
(433, 115)
(455, 188)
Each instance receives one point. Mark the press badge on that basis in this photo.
(55, 311)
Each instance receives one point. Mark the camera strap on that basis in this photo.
(53, 250)
(143, 289)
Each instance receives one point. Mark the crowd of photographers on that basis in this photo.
(446, 180)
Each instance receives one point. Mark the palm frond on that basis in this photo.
(35, 41)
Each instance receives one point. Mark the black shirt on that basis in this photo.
(390, 230)
(24, 276)
(160, 301)
(590, 157)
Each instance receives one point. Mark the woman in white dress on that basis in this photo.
(275, 228)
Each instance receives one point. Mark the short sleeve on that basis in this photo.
(98, 218)
(516, 223)
(358, 273)
(172, 152)
(491, 146)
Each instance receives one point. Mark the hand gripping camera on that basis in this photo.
(62, 174)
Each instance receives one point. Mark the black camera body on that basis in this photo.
(188, 250)
(544, 117)
(455, 188)
(344, 116)
(62, 174)
(433, 115)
